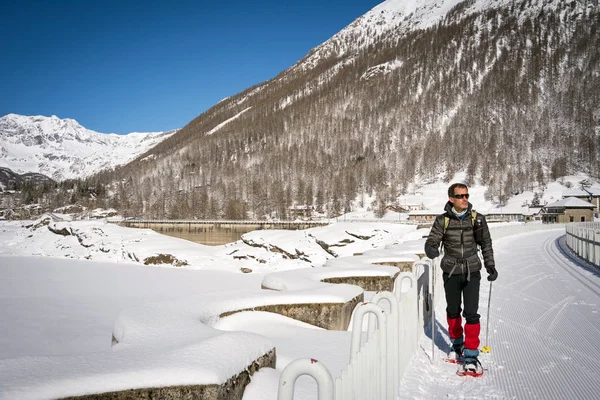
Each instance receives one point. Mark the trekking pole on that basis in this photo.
(432, 271)
(486, 348)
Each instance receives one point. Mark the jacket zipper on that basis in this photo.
(462, 246)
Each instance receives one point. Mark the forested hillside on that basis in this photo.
(509, 94)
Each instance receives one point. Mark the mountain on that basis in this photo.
(63, 149)
(10, 180)
(506, 91)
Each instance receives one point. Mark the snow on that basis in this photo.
(59, 314)
(63, 149)
(396, 16)
(543, 329)
(572, 202)
(222, 124)
(277, 249)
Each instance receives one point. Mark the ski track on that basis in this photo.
(543, 332)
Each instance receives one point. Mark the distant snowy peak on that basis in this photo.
(63, 149)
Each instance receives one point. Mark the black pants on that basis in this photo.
(457, 285)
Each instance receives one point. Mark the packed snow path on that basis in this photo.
(544, 329)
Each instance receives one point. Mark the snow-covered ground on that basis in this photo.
(55, 312)
(544, 328)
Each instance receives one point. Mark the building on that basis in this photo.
(589, 194)
(533, 213)
(395, 208)
(569, 209)
(507, 216)
(301, 211)
(423, 215)
(413, 207)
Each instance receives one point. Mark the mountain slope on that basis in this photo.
(508, 91)
(63, 149)
(10, 180)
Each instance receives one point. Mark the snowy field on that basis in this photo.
(544, 321)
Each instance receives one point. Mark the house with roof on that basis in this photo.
(594, 192)
(533, 213)
(301, 211)
(590, 194)
(497, 215)
(423, 216)
(579, 193)
(395, 208)
(412, 206)
(568, 209)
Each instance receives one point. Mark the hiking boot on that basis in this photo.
(456, 352)
(458, 348)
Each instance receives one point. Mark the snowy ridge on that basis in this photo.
(396, 16)
(63, 149)
(391, 20)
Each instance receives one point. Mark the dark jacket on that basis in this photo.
(460, 242)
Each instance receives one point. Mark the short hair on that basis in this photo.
(454, 186)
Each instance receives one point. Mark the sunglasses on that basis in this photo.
(460, 196)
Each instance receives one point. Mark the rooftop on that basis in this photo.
(570, 202)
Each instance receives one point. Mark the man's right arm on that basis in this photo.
(434, 239)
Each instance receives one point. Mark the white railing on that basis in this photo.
(366, 375)
(392, 337)
(409, 317)
(584, 239)
(305, 366)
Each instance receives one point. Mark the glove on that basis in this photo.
(492, 274)
(432, 252)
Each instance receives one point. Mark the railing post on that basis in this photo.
(408, 327)
(422, 270)
(392, 337)
(597, 248)
(305, 366)
(359, 313)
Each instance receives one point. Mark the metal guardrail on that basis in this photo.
(584, 239)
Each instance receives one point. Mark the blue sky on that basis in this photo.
(125, 66)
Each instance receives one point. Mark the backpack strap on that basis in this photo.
(447, 220)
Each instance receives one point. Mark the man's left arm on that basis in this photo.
(488, 252)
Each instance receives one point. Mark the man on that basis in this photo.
(461, 231)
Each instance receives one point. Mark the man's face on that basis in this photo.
(462, 202)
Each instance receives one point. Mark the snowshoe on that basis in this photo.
(470, 367)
